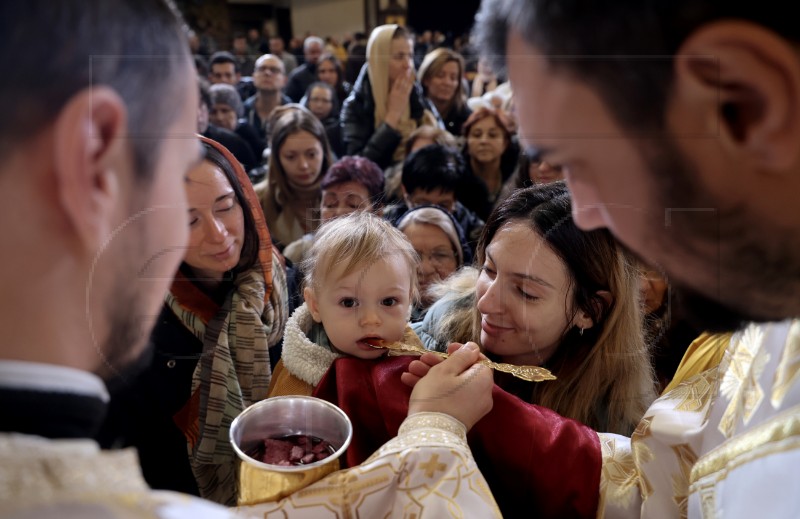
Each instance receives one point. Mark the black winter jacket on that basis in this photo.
(358, 122)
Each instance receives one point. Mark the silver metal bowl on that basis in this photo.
(277, 417)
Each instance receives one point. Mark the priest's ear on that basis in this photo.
(743, 82)
(89, 157)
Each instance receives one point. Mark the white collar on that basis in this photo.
(36, 376)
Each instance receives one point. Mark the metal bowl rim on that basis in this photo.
(293, 468)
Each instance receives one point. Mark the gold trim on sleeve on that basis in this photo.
(619, 476)
(780, 434)
(433, 421)
(788, 368)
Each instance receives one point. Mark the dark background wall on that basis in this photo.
(454, 16)
(220, 19)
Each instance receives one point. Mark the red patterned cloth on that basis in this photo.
(536, 462)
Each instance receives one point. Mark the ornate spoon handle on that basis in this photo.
(529, 373)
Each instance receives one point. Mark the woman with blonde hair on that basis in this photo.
(299, 156)
(552, 295)
(386, 103)
(441, 75)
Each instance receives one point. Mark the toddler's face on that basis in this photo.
(370, 303)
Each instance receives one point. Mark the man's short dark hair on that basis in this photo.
(622, 48)
(433, 167)
(221, 57)
(136, 47)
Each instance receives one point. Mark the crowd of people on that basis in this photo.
(199, 235)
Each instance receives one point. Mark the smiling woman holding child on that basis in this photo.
(360, 284)
(547, 293)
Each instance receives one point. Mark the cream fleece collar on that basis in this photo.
(301, 357)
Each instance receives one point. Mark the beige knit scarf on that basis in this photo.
(233, 373)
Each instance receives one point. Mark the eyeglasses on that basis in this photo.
(269, 70)
(320, 100)
(439, 258)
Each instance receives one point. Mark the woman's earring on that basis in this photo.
(581, 332)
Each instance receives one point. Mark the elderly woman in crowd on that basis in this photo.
(439, 241)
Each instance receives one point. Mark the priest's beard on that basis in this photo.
(127, 350)
(756, 271)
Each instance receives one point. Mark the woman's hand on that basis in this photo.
(458, 386)
(398, 98)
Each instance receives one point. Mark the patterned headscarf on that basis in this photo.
(234, 369)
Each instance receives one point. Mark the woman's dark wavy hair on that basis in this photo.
(340, 88)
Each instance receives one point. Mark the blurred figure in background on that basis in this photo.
(227, 111)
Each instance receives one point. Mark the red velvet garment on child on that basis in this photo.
(534, 460)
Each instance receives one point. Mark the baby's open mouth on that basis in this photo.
(375, 342)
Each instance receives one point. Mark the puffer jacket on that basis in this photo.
(358, 122)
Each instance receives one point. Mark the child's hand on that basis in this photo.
(458, 386)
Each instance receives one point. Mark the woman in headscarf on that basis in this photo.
(215, 340)
(386, 103)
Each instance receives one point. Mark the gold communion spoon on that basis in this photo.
(529, 373)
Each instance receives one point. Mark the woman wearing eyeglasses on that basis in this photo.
(439, 242)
